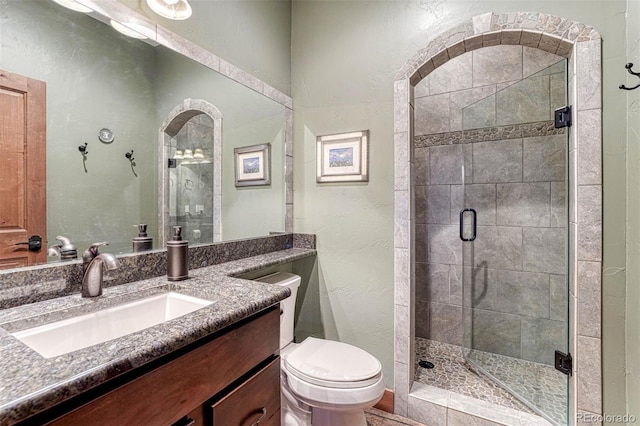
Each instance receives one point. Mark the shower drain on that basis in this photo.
(426, 364)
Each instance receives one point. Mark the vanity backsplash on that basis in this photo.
(37, 283)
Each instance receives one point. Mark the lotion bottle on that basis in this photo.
(142, 242)
(177, 256)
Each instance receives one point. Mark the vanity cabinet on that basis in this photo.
(230, 379)
(255, 401)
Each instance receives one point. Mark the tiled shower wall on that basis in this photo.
(490, 111)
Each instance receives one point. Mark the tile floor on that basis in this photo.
(452, 373)
(541, 383)
(377, 417)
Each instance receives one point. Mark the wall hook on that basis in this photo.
(84, 151)
(637, 74)
(129, 156)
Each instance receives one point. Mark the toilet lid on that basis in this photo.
(333, 364)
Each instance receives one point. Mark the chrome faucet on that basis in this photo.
(93, 264)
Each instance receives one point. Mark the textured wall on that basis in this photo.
(344, 59)
(633, 238)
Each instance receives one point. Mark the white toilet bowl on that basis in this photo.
(323, 382)
(328, 383)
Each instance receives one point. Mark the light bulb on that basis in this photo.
(171, 9)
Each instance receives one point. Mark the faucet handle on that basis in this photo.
(92, 251)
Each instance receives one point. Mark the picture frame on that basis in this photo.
(343, 157)
(253, 165)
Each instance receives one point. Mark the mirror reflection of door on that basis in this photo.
(22, 171)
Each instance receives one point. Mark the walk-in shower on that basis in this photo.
(491, 227)
(473, 132)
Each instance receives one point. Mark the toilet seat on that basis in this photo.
(331, 364)
(336, 399)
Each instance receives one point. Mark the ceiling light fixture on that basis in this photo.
(126, 30)
(177, 10)
(74, 5)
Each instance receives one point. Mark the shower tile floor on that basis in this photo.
(542, 384)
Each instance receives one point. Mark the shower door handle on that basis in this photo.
(475, 223)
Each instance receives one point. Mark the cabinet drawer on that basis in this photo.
(256, 400)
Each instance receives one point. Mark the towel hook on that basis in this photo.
(637, 74)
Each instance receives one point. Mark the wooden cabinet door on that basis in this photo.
(255, 402)
(23, 194)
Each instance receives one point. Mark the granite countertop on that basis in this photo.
(30, 383)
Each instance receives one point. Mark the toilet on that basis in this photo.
(323, 382)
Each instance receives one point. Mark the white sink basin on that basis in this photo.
(79, 332)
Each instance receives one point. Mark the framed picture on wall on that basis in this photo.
(252, 165)
(343, 157)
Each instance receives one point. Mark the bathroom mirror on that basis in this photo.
(113, 93)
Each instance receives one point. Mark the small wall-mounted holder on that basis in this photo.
(105, 135)
(129, 156)
(84, 151)
(637, 74)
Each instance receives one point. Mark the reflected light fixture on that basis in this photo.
(198, 153)
(177, 10)
(74, 5)
(124, 29)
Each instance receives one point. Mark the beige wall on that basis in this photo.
(344, 58)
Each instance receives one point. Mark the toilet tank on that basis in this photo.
(288, 305)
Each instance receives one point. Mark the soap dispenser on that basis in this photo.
(142, 242)
(177, 256)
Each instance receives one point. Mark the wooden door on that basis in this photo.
(23, 194)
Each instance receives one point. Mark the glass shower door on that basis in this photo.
(514, 232)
